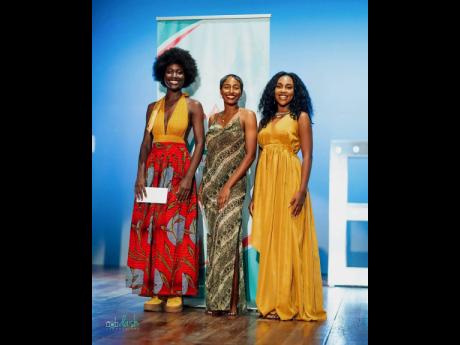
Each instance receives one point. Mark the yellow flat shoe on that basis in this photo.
(173, 305)
(155, 304)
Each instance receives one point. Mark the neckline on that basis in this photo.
(166, 125)
(236, 116)
(281, 119)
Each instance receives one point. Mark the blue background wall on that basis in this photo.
(325, 42)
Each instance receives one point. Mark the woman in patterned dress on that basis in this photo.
(163, 253)
(231, 144)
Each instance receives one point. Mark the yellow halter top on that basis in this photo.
(177, 124)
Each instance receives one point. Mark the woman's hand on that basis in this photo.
(185, 187)
(223, 196)
(251, 207)
(297, 202)
(139, 188)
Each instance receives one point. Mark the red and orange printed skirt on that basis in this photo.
(163, 251)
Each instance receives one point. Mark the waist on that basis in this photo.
(279, 146)
(168, 145)
(168, 138)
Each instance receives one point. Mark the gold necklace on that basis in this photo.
(279, 114)
(223, 120)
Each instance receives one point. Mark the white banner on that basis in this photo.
(222, 45)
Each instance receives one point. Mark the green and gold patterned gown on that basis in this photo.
(225, 151)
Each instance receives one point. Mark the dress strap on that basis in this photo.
(156, 109)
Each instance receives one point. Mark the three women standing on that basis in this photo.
(163, 253)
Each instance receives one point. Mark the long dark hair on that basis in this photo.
(300, 102)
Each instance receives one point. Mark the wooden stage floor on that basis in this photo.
(118, 318)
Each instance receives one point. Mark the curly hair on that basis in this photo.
(175, 56)
(300, 102)
(234, 76)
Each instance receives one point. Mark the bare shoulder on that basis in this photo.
(212, 119)
(194, 107)
(193, 102)
(149, 110)
(247, 115)
(304, 116)
(151, 105)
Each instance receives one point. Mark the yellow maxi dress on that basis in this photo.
(289, 281)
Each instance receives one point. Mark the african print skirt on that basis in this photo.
(163, 251)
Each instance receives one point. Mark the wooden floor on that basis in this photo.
(118, 318)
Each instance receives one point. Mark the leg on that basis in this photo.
(235, 284)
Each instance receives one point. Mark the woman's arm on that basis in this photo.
(200, 188)
(251, 203)
(306, 145)
(146, 147)
(250, 137)
(197, 117)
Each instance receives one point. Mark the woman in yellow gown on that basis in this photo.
(283, 229)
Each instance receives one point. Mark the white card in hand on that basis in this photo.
(155, 195)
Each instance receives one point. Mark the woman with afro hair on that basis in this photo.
(163, 250)
(283, 230)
